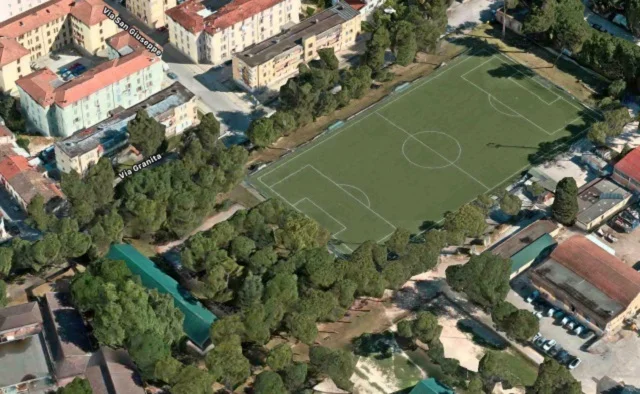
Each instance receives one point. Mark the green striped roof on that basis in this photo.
(197, 319)
(430, 386)
(531, 252)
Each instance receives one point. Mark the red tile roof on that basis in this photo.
(89, 12)
(186, 14)
(630, 165)
(10, 50)
(11, 166)
(124, 39)
(39, 85)
(356, 4)
(604, 271)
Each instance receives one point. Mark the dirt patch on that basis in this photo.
(457, 344)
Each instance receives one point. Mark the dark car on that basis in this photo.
(599, 27)
(173, 76)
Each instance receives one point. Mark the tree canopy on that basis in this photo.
(555, 378)
(485, 278)
(565, 204)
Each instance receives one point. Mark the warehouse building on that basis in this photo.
(599, 200)
(595, 287)
(627, 171)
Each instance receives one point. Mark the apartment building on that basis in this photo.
(49, 27)
(152, 12)
(174, 107)
(57, 108)
(11, 8)
(277, 59)
(364, 7)
(23, 181)
(207, 33)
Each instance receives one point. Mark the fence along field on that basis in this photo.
(463, 131)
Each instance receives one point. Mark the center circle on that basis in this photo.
(448, 153)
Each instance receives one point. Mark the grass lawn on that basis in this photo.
(397, 370)
(465, 130)
(521, 369)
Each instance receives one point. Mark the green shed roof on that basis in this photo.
(197, 319)
(531, 252)
(430, 386)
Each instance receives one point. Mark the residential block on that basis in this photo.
(152, 12)
(277, 59)
(208, 33)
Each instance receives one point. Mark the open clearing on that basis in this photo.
(465, 130)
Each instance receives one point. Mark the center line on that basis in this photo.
(433, 150)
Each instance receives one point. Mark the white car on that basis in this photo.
(570, 325)
(535, 337)
(574, 363)
(533, 296)
(578, 330)
(550, 312)
(538, 315)
(550, 343)
(565, 320)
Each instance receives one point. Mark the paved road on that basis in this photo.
(611, 27)
(471, 12)
(213, 86)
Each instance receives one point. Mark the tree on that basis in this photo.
(73, 243)
(223, 329)
(535, 189)
(3, 293)
(565, 204)
(475, 386)
(338, 364)
(282, 288)
(329, 59)
(300, 232)
(38, 216)
(469, 220)
(404, 43)
(554, 378)
(208, 132)
(424, 327)
(398, 241)
(294, 375)
(521, 325)
(146, 351)
(284, 121)
(376, 48)
(46, 251)
(485, 278)
(319, 267)
(256, 326)
(77, 386)
(250, 292)
(145, 133)
(227, 364)
(493, 370)
(616, 88)
(598, 133)
(510, 204)
(269, 382)
(501, 311)
(6, 258)
(396, 274)
(262, 133)
(192, 380)
(167, 370)
(302, 326)
(280, 357)
(405, 329)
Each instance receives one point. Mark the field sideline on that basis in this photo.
(465, 130)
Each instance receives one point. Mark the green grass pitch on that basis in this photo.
(465, 130)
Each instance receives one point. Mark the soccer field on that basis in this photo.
(465, 130)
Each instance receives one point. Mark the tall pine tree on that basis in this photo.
(565, 205)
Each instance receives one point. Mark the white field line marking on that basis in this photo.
(352, 196)
(287, 177)
(579, 108)
(531, 92)
(325, 212)
(434, 151)
(360, 190)
(522, 116)
(364, 117)
(499, 111)
(385, 237)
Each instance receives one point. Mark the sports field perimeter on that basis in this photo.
(463, 131)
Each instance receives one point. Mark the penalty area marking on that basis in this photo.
(359, 190)
(514, 115)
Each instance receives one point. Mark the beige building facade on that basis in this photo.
(152, 12)
(11, 8)
(277, 59)
(210, 35)
(49, 27)
(174, 107)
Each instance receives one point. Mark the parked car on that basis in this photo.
(538, 315)
(565, 320)
(578, 329)
(172, 75)
(574, 363)
(550, 312)
(162, 29)
(535, 337)
(563, 356)
(540, 341)
(599, 27)
(549, 344)
(570, 325)
(554, 350)
(533, 296)
(54, 56)
(611, 238)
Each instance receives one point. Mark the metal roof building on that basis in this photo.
(197, 319)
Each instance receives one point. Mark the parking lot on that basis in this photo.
(67, 63)
(617, 357)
